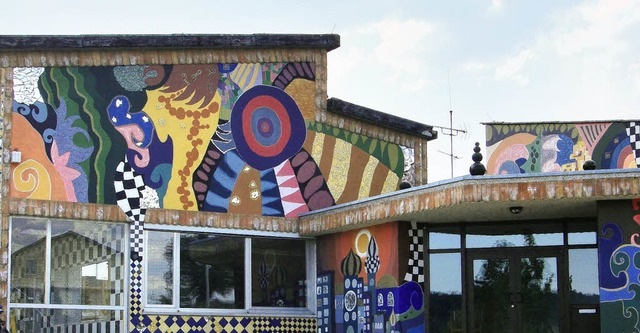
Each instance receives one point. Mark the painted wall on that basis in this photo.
(619, 265)
(547, 147)
(236, 138)
(228, 138)
(359, 286)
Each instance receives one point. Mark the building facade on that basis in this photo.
(153, 183)
(205, 183)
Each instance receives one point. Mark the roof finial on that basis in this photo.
(477, 168)
(589, 165)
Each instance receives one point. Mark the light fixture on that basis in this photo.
(16, 156)
(515, 209)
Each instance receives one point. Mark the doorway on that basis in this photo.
(515, 290)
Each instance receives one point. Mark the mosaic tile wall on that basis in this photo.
(187, 324)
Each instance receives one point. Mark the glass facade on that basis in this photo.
(66, 274)
(199, 270)
(511, 277)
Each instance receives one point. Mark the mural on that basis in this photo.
(213, 137)
(227, 138)
(359, 291)
(547, 147)
(619, 269)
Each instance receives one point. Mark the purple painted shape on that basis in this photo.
(608, 242)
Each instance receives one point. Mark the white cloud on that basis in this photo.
(496, 6)
(402, 45)
(394, 51)
(596, 25)
(512, 68)
(634, 72)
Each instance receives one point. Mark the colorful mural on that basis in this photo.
(619, 268)
(547, 147)
(227, 138)
(212, 137)
(360, 291)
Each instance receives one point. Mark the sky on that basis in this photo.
(485, 60)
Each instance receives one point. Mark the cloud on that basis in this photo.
(394, 50)
(496, 6)
(512, 67)
(594, 26)
(402, 45)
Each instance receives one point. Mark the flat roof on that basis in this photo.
(338, 106)
(476, 199)
(198, 41)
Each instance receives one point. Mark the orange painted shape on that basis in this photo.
(35, 177)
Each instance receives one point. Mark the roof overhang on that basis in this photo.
(173, 41)
(482, 199)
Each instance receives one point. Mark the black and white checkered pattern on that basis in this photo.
(128, 186)
(372, 263)
(633, 131)
(415, 267)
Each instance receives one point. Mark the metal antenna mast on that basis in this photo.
(451, 131)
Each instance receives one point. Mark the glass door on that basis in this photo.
(513, 290)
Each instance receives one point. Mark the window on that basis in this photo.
(67, 273)
(208, 272)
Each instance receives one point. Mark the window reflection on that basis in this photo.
(445, 298)
(583, 276)
(28, 246)
(278, 272)
(160, 268)
(211, 271)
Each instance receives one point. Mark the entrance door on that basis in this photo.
(514, 290)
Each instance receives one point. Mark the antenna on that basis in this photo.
(451, 131)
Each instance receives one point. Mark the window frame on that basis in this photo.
(46, 303)
(247, 235)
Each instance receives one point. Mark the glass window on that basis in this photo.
(278, 269)
(160, 268)
(211, 271)
(85, 265)
(199, 270)
(583, 276)
(481, 241)
(444, 240)
(445, 298)
(582, 238)
(28, 247)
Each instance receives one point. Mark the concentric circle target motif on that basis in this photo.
(267, 127)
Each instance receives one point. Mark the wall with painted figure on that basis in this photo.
(619, 267)
(363, 285)
(515, 148)
(226, 137)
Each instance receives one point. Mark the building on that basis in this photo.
(189, 183)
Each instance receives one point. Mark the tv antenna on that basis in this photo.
(450, 131)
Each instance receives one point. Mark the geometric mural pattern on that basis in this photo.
(227, 324)
(415, 267)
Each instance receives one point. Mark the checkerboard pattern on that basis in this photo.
(288, 325)
(633, 131)
(415, 267)
(129, 186)
(191, 324)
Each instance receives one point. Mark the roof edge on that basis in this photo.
(201, 41)
(338, 106)
(558, 122)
